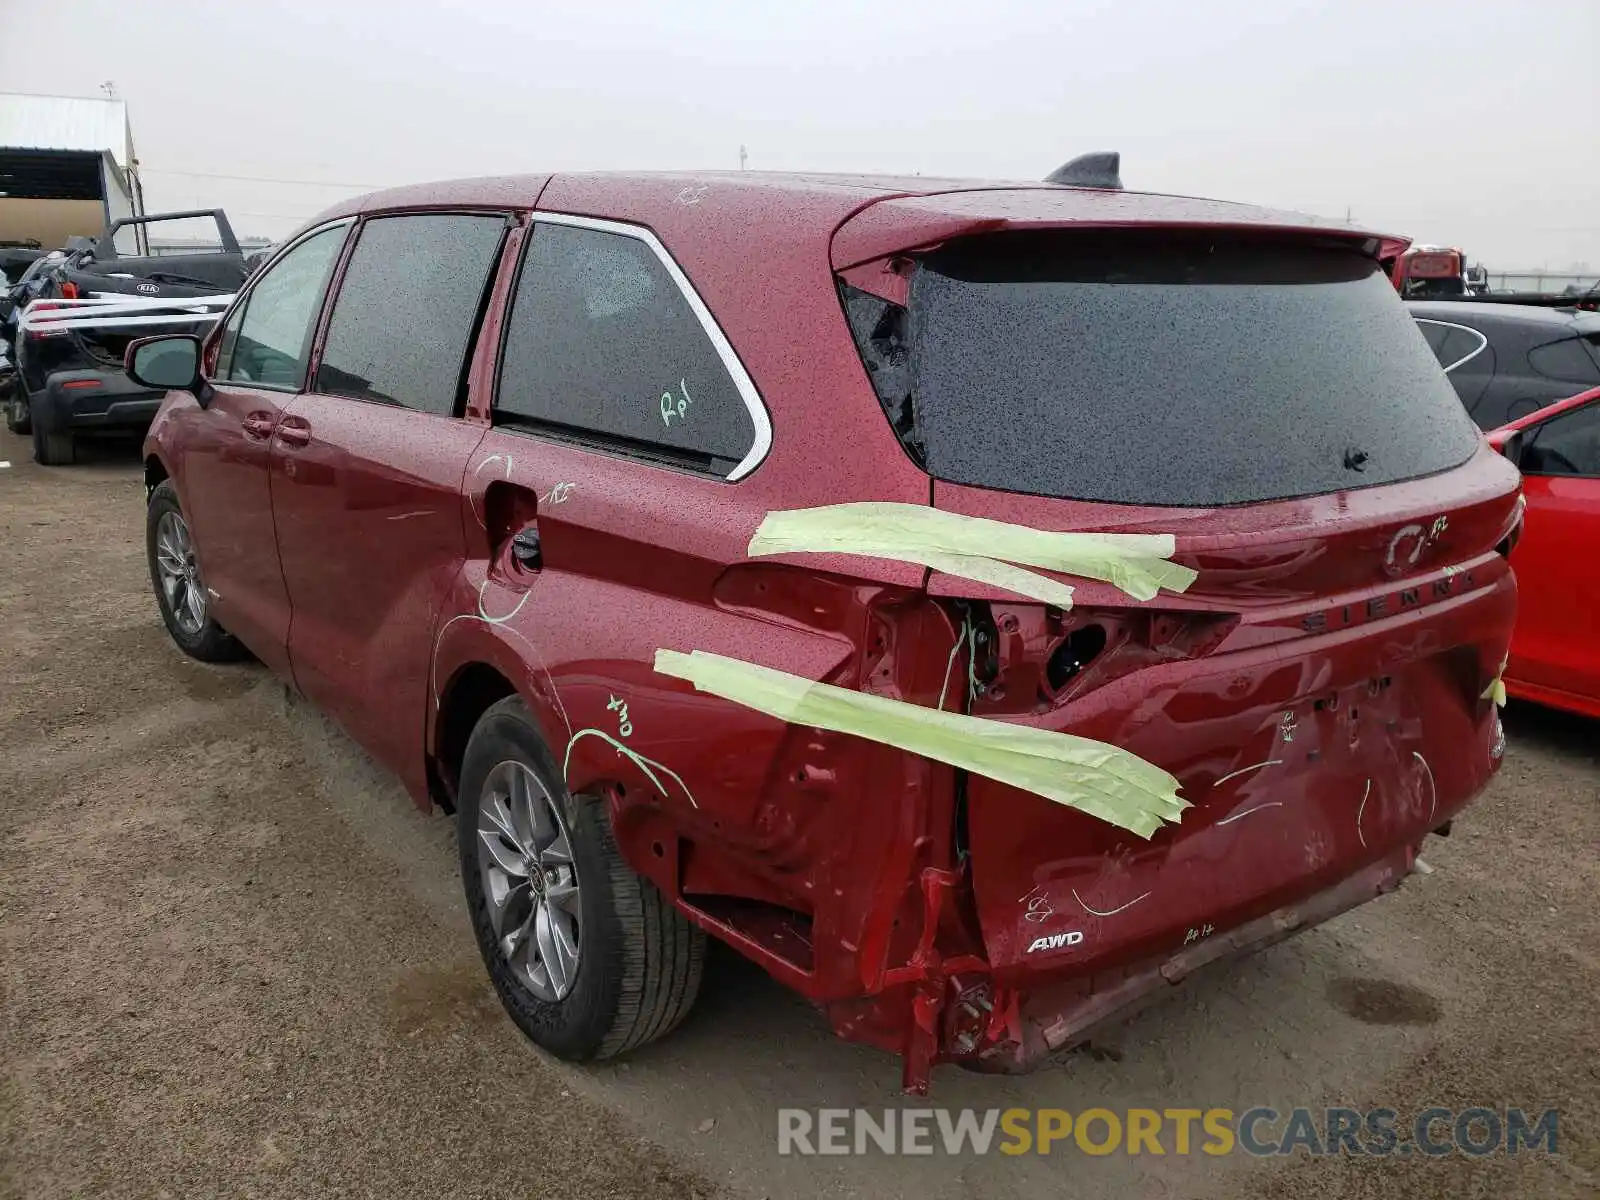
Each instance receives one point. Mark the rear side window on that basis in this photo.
(1434, 334)
(1568, 360)
(407, 310)
(273, 338)
(603, 348)
(1177, 370)
(1453, 345)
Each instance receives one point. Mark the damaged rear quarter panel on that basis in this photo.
(778, 838)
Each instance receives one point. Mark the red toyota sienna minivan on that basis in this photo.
(980, 604)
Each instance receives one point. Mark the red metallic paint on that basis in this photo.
(226, 447)
(1386, 691)
(370, 537)
(1347, 637)
(1555, 652)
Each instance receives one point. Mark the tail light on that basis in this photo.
(44, 331)
(69, 290)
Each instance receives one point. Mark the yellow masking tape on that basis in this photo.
(977, 548)
(1496, 690)
(1097, 778)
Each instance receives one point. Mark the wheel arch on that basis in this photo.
(155, 473)
(471, 690)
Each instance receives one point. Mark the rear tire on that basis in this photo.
(638, 961)
(173, 573)
(53, 449)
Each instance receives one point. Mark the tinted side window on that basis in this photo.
(407, 309)
(1566, 360)
(1434, 334)
(274, 335)
(1566, 445)
(1453, 345)
(1460, 348)
(603, 347)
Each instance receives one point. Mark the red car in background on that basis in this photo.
(1555, 652)
(535, 485)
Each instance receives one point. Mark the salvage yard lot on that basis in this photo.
(233, 961)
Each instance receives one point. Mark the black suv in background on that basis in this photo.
(69, 380)
(1508, 360)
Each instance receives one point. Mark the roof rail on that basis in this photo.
(1099, 169)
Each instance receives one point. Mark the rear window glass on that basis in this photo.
(1170, 371)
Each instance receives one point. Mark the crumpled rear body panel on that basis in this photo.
(1318, 692)
(1304, 763)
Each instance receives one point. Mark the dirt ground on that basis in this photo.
(233, 961)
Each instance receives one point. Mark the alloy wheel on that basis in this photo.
(529, 881)
(180, 574)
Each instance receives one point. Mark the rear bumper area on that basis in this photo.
(1316, 762)
(1306, 761)
(1056, 1018)
(83, 400)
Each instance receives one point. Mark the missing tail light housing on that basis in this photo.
(1513, 534)
(1033, 657)
(1073, 653)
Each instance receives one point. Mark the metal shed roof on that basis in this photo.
(65, 123)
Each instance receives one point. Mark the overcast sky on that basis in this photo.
(1470, 122)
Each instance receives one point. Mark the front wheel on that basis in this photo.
(589, 959)
(180, 590)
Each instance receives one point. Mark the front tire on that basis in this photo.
(589, 959)
(180, 591)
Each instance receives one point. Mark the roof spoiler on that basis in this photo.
(1100, 169)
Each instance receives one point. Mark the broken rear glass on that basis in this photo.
(1166, 370)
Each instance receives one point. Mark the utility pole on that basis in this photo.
(743, 156)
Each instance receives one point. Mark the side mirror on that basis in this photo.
(165, 363)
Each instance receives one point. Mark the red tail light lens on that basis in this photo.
(44, 331)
